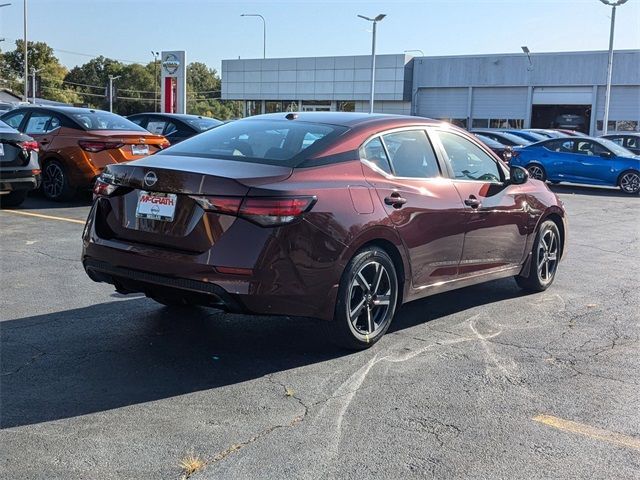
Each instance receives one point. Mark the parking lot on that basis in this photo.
(484, 382)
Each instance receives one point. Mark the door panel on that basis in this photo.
(426, 211)
(496, 220)
(590, 166)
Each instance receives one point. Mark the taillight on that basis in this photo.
(93, 147)
(102, 188)
(30, 145)
(164, 144)
(265, 211)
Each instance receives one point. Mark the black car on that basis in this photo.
(629, 140)
(19, 168)
(503, 151)
(174, 126)
(505, 138)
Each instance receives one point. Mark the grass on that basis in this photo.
(191, 464)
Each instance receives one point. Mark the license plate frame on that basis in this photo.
(156, 206)
(140, 149)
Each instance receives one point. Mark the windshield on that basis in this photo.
(616, 149)
(275, 142)
(514, 138)
(98, 120)
(204, 123)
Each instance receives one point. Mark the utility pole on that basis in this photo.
(26, 56)
(155, 80)
(111, 79)
(607, 98)
(33, 84)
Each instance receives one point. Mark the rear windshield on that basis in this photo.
(98, 120)
(275, 142)
(489, 142)
(202, 124)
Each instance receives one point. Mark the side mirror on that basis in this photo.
(518, 175)
(605, 154)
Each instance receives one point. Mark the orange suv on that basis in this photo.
(77, 143)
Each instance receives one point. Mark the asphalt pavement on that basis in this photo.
(484, 382)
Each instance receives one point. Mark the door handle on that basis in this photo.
(472, 202)
(44, 141)
(395, 200)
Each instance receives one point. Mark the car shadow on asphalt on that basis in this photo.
(111, 355)
(589, 190)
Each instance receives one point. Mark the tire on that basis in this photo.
(545, 256)
(629, 182)
(367, 299)
(55, 182)
(13, 199)
(537, 172)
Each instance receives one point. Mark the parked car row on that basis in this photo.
(569, 156)
(76, 144)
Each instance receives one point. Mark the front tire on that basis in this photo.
(537, 172)
(367, 300)
(629, 182)
(544, 259)
(13, 199)
(55, 182)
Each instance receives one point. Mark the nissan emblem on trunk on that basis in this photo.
(150, 179)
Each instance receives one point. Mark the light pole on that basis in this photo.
(375, 21)
(613, 4)
(415, 50)
(155, 80)
(264, 31)
(33, 84)
(26, 56)
(527, 52)
(111, 79)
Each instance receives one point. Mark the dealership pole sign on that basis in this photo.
(174, 81)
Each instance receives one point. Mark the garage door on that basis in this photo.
(442, 102)
(499, 102)
(562, 96)
(624, 103)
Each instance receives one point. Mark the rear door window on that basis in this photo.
(373, 151)
(156, 126)
(38, 123)
(411, 154)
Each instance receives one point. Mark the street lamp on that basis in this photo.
(613, 4)
(155, 80)
(264, 31)
(415, 50)
(111, 79)
(26, 56)
(33, 84)
(375, 21)
(526, 50)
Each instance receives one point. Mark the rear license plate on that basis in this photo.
(1, 150)
(156, 206)
(140, 149)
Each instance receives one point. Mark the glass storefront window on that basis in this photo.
(346, 106)
(290, 105)
(273, 106)
(253, 107)
(480, 123)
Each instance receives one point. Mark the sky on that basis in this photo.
(212, 30)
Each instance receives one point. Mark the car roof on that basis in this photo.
(179, 116)
(622, 134)
(61, 109)
(348, 119)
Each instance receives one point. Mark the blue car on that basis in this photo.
(593, 161)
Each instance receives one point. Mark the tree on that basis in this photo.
(203, 94)
(51, 71)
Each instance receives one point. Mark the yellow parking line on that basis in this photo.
(589, 431)
(48, 217)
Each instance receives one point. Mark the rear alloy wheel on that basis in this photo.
(55, 182)
(544, 259)
(630, 182)
(537, 172)
(366, 300)
(13, 199)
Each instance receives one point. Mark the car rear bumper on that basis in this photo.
(275, 285)
(20, 180)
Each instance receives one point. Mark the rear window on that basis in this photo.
(202, 124)
(98, 120)
(275, 142)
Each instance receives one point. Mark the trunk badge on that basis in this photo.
(150, 179)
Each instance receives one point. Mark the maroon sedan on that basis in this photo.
(337, 216)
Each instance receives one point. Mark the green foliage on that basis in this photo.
(135, 89)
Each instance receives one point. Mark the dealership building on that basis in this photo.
(480, 91)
